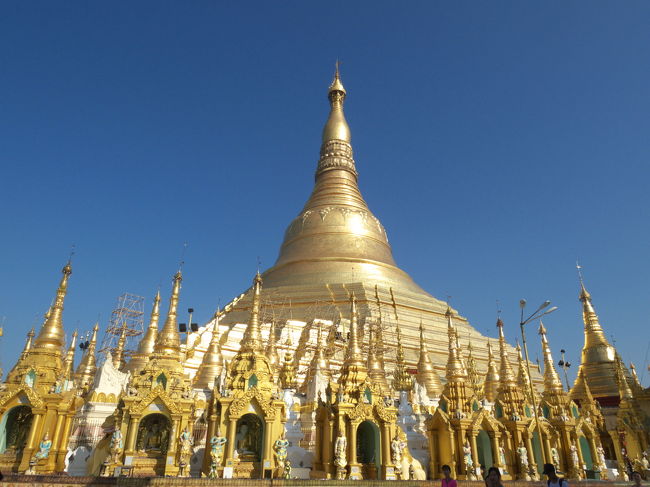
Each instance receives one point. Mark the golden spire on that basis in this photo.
(522, 373)
(506, 375)
(148, 341)
(168, 342)
(353, 370)
(594, 334)
(635, 378)
(336, 127)
(402, 380)
(28, 344)
(552, 382)
(472, 371)
(598, 356)
(118, 356)
(455, 369)
(376, 369)
(491, 386)
(23, 355)
(87, 368)
(271, 349)
(509, 394)
(212, 362)
(457, 389)
(68, 363)
(625, 393)
(427, 375)
(51, 335)
(580, 391)
(335, 227)
(252, 340)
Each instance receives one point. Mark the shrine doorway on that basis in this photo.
(249, 438)
(484, 453)
(14, 428)
(586, 453)
(369, 449)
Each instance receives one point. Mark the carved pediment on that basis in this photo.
(156, 394)
(32, 398)
(242, 401)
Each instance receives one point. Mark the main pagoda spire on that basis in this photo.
(336, 238)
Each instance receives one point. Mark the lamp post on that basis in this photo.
(565, 365)
(538, 313)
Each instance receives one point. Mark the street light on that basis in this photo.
(565, 365)
(537, 314)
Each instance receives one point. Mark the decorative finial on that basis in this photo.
(182, 260)
(584, 294)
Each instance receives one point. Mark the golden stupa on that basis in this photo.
(336, 246)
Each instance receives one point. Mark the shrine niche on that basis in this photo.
(248, 438)
(15, 428)
(153, 434)
(369, 449)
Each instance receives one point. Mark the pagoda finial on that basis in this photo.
(635, 378)
(68, 362)
(552, 382)
(427, 375)
(353, 371)
(118, 355)
(51, 335)
(376, 370)
(336, 127)
(522, 375)
(148, 341)
(87, 368)
(402, 380)
(472, 370)
(252, 340)
(491, 386)
(354, 350)
(506, 374)
(168, 342)
(271, 349)
(455, 368)
(212, 362)
(625, 393)
(594, 334)
(580, 391)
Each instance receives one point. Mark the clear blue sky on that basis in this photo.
(496, 141)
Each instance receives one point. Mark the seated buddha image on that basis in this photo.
(248, 440)
(154, 434)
